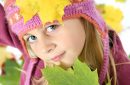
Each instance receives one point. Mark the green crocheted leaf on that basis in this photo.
(79, 75)
(12, 75)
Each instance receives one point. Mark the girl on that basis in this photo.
(58, 33)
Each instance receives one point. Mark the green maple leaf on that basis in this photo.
(79, 75)
(109, 82)
(122, 1)
(12, 74)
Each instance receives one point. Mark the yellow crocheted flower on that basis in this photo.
(48, 10)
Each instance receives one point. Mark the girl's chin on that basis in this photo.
(65, 66)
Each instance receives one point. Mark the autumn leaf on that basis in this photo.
(109, 12)
(12, 74)
(122, 1)
(79, 75)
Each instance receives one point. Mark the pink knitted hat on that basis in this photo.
(85, 9)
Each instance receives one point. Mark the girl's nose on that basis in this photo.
(47, 46)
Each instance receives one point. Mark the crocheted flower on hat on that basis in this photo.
(48, 10)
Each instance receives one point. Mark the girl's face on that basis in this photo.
(58, 44)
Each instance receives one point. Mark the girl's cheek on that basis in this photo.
(34, 47)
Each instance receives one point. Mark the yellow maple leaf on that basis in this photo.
(113, 16)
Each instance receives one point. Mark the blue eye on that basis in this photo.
(51, 28)
(32, 38)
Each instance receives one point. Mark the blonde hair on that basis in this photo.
(92, 53)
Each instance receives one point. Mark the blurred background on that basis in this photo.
(115, 13)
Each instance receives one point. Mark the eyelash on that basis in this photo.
(32, 39)
(54, 27)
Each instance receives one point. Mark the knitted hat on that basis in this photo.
(25, 15)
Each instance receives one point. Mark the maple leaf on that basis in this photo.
(109, 17)
(12, 74)
(122, 1)
(79, 75)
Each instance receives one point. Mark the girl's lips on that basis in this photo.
(58, 57)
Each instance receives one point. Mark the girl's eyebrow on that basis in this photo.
(49, 24)
(27, 34)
